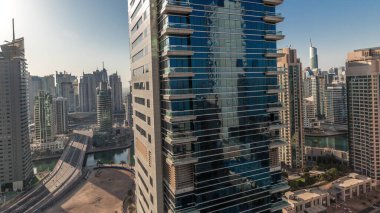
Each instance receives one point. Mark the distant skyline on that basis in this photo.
(77, 36)
(70, 35)
(335, 27)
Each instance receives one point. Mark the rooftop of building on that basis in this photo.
(364, 54)
(305, 195)
(367, 49)
(350, 180)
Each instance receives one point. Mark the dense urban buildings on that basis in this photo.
(16, 162)
(205, 133)
(336, 104)
(60, 115)
(100, 76)
(104, 108)
(309, 119)
(65, 88)
(290, 80)
(37, 84)
(87, 93)
(116, 93)
(44, 118)
(363, 80)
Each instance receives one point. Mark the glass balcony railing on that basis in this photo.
(273, 14)
(177, 48)
(274, 32)
(178, 113)
(180, 134)
(169, 70)
(176, 91)
(177, 25)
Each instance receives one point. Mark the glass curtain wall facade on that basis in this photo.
(216, 86)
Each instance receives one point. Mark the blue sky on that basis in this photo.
(336, 27)
(77, 35)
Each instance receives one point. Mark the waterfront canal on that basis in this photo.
(115, 156)
(338, 142)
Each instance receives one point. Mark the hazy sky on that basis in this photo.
(71, 35)
(77, 35)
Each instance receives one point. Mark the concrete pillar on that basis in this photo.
(357, 190)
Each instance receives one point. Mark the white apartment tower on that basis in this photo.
(363, 104)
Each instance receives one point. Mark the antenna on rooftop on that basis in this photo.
(13, 27)
(103, 65)
(311, 44)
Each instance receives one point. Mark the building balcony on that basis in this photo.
(178, 72)
(177, 29)
(276, 107)
(180, 140)
(178, 97)
(274, 36)
(272, 2)
(281, 187)
(276, 143)
(172, 119)
(279, 71)
(273, 18)
(181, 159)
(279, 205)
(274, 53)
(176, 7)
(177, 94)
(275, 168)
(174, 50)
(276, 126)
(275, 90)
(178, 75)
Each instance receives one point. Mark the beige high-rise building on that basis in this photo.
(15, 157)
(363, 96)
(293, 154)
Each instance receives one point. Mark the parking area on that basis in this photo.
(104, 191)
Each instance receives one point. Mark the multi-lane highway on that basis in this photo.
(65, 173)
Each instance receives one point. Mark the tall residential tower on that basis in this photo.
(104, 107)
(363, 104)
(204, 82)
(16, 162)
(43, 117)
(293, 154)
(116, 93)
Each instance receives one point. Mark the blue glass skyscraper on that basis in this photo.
(205, 100)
